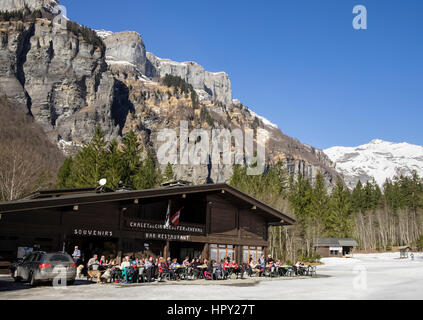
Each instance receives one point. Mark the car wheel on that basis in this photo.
(32, 281)
(70, 282)
(17, 279)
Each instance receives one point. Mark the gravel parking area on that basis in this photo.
(373, 276)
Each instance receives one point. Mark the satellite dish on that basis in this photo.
(102, 182)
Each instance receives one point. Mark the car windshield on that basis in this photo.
(59, 257)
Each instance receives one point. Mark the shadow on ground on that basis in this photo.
(8, 284)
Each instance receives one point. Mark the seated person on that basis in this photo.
(124, 267)
(103, 263)
(93, 263)
(195, 267)
(173, 267)
(213, 270)
(237, 269)
(262, 261)
(226, 265)
(256, 267)
(227, 268)
(149, 269)
(134, 264)
(186, 263)
(248, 269)
(125, 263)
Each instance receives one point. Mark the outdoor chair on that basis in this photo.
(164, 275)
(199, 274)
(215, 275)
(272, 272)
(189, 274)
(282, 271)
(115, 274)
(301, 271)
(141, 277)
(239, 272)
(311, 271)
(291, 272)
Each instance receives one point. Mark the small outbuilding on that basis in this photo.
(334, 247)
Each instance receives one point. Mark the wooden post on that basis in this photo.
(205, 254)
(166, 252)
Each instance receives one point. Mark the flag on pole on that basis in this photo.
(167, 215)
(175, 218)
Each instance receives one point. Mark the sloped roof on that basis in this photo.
(335, 242)
(69, 199)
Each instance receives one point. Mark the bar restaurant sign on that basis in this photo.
(161, 227)
(167, 236)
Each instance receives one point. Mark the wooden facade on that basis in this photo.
(216, 220)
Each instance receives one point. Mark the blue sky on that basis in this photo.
(299, 63)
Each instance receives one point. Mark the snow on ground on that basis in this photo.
(371, 276)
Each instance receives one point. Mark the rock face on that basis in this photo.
(70, 83)
(216, 85)
(125, 48)
(15, 5)
(61, 78)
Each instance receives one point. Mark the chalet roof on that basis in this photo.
(66, 198)
(39, 194)
(335, 242)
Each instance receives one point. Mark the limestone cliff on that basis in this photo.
(71, 80)
(15, 5)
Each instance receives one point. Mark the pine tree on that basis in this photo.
(339, 219)
(319, 205)
(131, 157)
(357, 198)
(114, 164)
(168, 174)
(64, 176)
(147, 176)
(300, 200)
(91, 162)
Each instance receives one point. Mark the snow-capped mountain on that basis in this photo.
(378, 159)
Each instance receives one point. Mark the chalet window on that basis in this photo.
(253, 252)
(221, 252)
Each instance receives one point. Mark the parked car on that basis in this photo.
(40, 266)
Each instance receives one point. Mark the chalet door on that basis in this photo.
(181, 250)
(93, 245)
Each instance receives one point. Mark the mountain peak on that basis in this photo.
(16, 5)
(378, 159)
(377, 141)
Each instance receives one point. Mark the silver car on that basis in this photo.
(40, 266)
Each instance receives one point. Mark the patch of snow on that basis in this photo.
(103, 34)
(120, 62)
(236, 102)
(265, 121)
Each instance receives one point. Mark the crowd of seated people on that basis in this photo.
(133, 270)
(271, 268)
